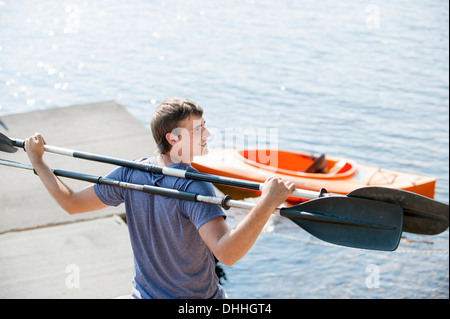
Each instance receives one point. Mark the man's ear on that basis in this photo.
(172, 138)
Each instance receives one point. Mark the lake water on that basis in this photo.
(366, 80)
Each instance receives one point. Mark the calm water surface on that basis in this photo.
(367, 80)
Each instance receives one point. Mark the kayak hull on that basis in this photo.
(342, 177)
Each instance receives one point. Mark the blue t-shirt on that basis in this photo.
(170, 258)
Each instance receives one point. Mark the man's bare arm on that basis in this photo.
(231, 245)
(72, 202)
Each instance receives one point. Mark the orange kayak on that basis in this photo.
(336, 175)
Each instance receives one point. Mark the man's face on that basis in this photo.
(191, 137)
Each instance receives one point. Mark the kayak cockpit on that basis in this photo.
(298, 164)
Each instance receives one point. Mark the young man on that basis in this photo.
(174, 241)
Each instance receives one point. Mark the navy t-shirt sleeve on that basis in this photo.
(111, 195)
(199, 213)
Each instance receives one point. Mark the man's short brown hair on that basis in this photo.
(167, 116)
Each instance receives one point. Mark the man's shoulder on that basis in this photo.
(192, 185)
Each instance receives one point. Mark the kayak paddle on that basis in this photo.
(345, 221)
(422, 215)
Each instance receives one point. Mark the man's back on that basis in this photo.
(171, 260)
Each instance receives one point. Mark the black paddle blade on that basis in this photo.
(6, 145)
(352, 222)
(421, 215)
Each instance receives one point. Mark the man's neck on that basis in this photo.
(167, 160)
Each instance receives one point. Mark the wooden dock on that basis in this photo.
(44, 252)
